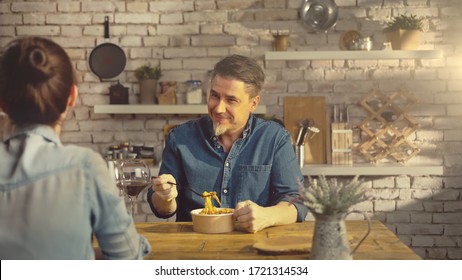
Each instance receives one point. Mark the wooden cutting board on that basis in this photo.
(298, 108)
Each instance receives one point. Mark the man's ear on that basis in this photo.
(254, 102)
(73, 96)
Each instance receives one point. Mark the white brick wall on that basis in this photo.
(187, 37)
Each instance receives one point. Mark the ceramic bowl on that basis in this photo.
(216, 223)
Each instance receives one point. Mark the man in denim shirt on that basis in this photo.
(247, 161)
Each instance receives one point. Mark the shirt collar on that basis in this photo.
(45, 131)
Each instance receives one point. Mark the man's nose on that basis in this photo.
(221, 107)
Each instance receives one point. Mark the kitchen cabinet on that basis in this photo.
(159, 109)
(359, 55)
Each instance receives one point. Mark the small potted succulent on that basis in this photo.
(404, 31)
(148, 78)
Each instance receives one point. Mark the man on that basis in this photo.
(248, 161)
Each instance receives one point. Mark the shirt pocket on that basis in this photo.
(254, 183)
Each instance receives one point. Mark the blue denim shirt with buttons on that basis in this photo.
(260, 166)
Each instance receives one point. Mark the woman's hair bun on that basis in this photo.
(39, 63)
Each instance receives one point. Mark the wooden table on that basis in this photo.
(178, 241)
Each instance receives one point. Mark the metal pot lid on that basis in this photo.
(320, 15)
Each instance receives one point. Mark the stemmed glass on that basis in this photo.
(135, 177)
(116, 172)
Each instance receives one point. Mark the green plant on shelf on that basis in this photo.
(147, 72)
(407, 22)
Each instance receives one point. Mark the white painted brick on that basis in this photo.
(131, 41)
(444, 241)
(171, 18)
(135, 30)
(212, 41)
(385, 205)
(405, 194)
(436, 253)
(432, 206)
(211, 29)
(215, 17)
(71, 31)
(76, 137)
(69, 19)
(247, 41)
(454, 253)
(427, 183)
(383, 183)
(235, 4)
(182, 52)
(169, 6)
(204, 5)
(426, 241)
(410, 205)
(27, 7)
(298, 86)
(421, 218)
(447, 194)
(38, 30)
(292, 74)
(100, 6)
(448, 218)
(423, 229)
(33, 19)
(398, 217)
(422, 194)
(141, 18)
(7, 31)
(177, 29)
(69, 6)
(157, 41)
(103, 137)
(137, 7)
(334, 75)
(130, 125)
(202, 64)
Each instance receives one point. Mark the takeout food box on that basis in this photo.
(212, 223)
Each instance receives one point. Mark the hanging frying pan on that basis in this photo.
(320, 15)
(107, 60)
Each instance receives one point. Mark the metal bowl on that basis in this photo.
(320, 15)
(362, 44)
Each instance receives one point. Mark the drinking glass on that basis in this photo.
(135, 177)
(116, 172)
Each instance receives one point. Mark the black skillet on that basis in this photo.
(107, 60)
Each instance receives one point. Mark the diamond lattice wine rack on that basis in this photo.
(388, 126)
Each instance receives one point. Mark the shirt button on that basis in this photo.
(218, 146)
(214, 138)
(227, 164)
(225, 190)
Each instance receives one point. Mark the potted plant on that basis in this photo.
(330, 200)
(404, 32)
(148, 77)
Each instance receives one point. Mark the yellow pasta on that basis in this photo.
(209, 209)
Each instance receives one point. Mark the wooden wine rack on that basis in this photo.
(388, 126)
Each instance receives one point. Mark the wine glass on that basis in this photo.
(135, 177)
(116, 172)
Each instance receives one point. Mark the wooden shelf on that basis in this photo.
(371, 170)
(159, 109)
(363, 170)
(327, 55)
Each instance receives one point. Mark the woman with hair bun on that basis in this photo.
(54, 198)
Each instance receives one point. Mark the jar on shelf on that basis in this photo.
(193, 92)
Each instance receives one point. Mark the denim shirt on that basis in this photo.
(260, 166)
(55, 198)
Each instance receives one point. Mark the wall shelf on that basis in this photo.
(363, 170)
(327, 55)
(159, 109)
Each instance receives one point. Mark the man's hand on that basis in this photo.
(252, 217)
(165, 192)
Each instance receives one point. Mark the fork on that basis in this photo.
(181, 188)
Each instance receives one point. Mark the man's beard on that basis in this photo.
(219, 129)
